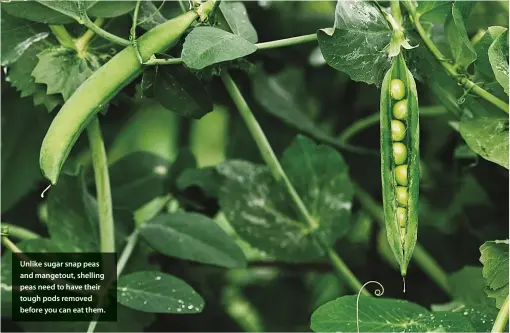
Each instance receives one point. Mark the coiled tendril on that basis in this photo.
(377, 292)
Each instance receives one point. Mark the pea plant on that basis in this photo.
(263, 186)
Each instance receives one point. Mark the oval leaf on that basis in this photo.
(137, 179)
(111, 8)
(153, 291)
(205, 46)
(494, 257)
(34, 11)
(384, 315)
(180, 91)
(486, 136)
(357, 45)
(237, 19)
(262, 213)
(455, 32)
(498, 57)
(482, 62)
(193, 237)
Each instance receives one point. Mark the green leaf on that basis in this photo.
(111, 8)
(237, 18)
(18, 35)
(494, 257)
(482, 62)
(194, 237)
(280, 95)
(153, 291)
(184, 160)
(499, 295)
(19, 74)
(29, 245)
(486, 136)
(35, 11)
(205, 178)
(23, 128)
(72, 215)
(433, 11)
(22, 40)
(455, 31)
(149, 16)
(498, 57)
(63, 70)
(205, 46)
(384, 315)
(467, 286)
(463, 151)
(261, 211)
(137, 178)
(481, 317)
(325, 287)
(71, 8)
(357, 44)
(180, 91)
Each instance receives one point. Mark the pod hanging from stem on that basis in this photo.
(400, 160)
(92, 96)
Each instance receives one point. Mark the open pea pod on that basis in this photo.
(400, 160)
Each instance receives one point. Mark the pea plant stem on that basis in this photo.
(103, 191)
(501, 318)
(135, 21)
(287, 42)
(10, 245)
(105, 34)
(126, 253)
(395, 11)
(82, 42)
(63, 37)
(420, 255)
(102, 179)
(451, 69)
(19, 232)
(373, 119)
(260, 46)
(280, 176)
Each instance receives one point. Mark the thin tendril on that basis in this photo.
(377, 292)
(46, 189)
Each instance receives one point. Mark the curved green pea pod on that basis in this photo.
(402, 246)
(93, 94)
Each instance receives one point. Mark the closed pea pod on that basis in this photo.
(93, 94)
(400, 160)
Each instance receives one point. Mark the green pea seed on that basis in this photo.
(402, 195)
(401, 174)
(400, 109)
(398, 130)
(397, 89)
(399, 153)
(402, 217)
